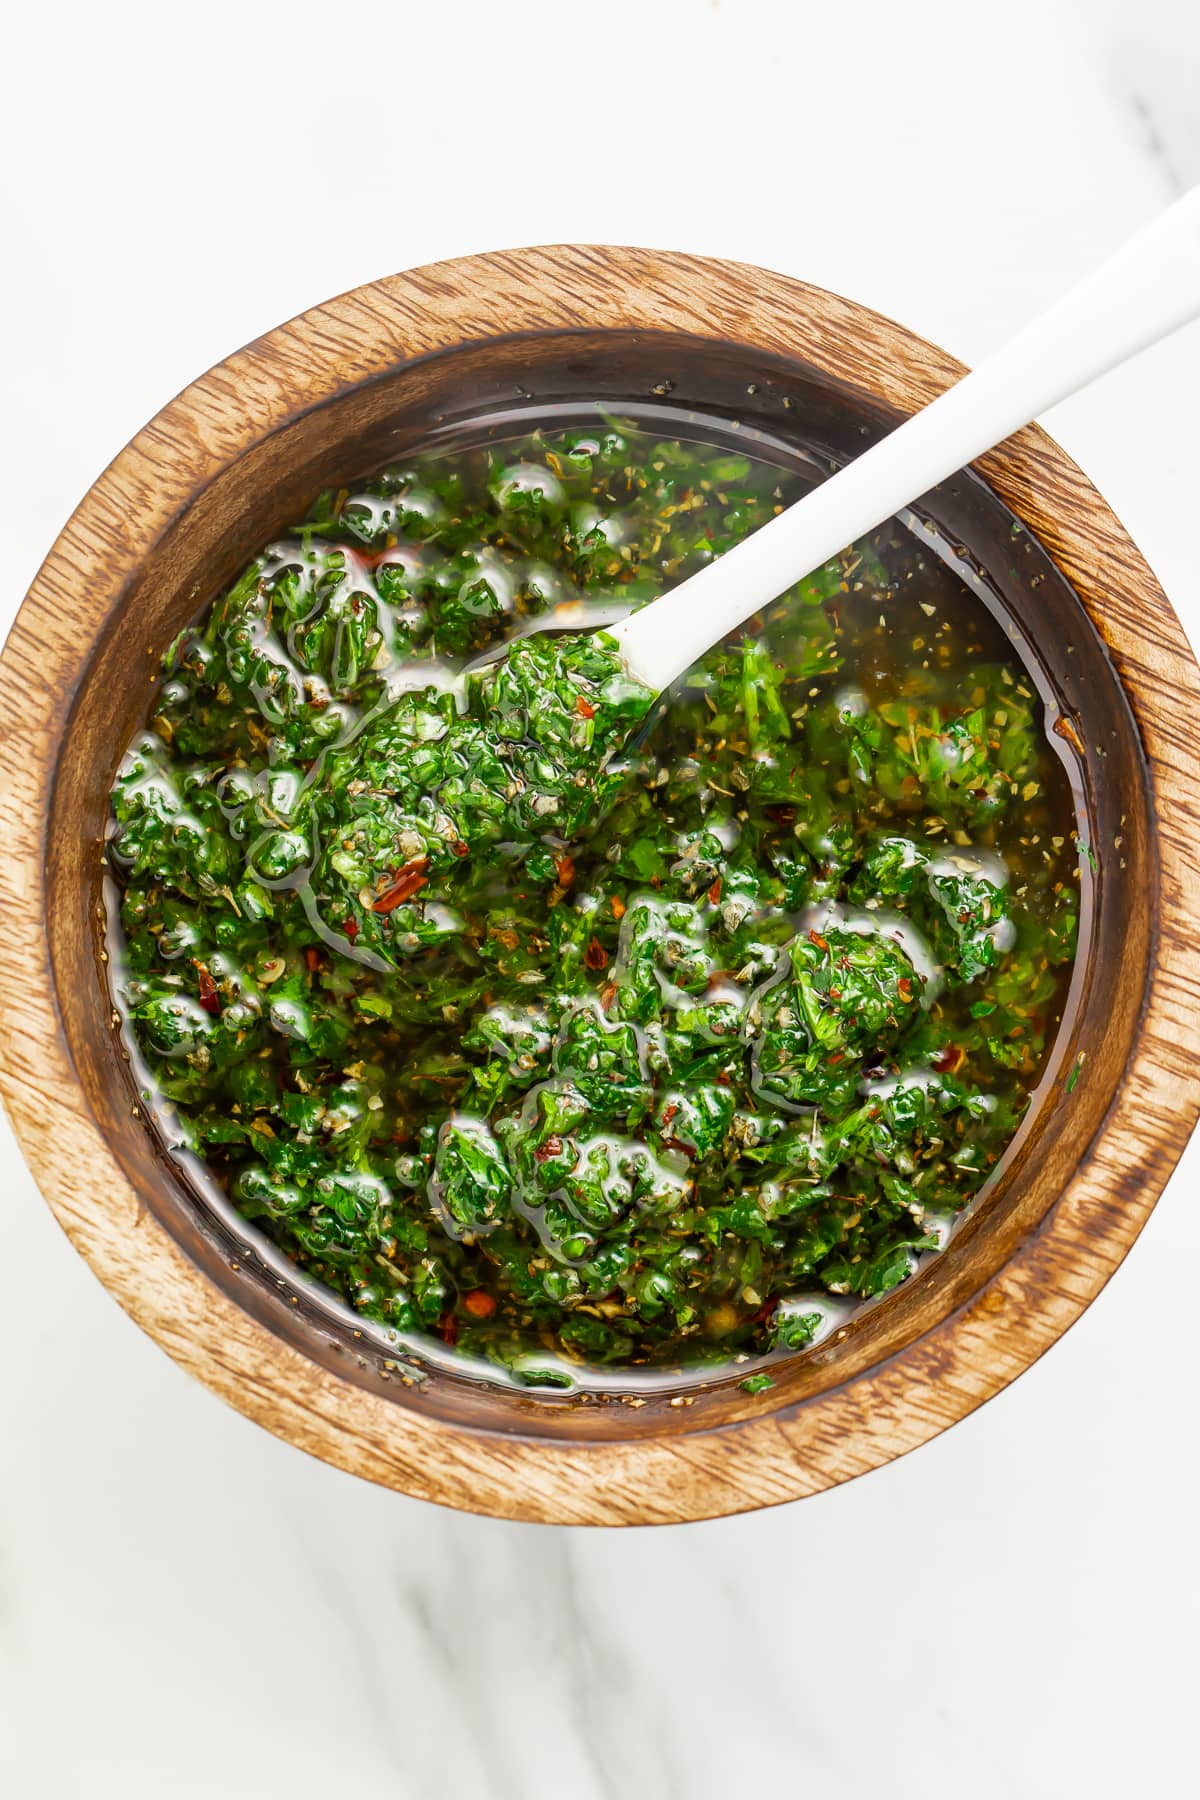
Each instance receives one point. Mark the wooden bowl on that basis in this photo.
(230, 462)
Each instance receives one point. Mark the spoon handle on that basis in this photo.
(1149, 288)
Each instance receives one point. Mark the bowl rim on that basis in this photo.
(755, 1461)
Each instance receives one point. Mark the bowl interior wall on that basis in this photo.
(265, 489)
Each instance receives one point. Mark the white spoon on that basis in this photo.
(1145, 291)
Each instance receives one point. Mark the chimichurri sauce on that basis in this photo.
(570, 1061)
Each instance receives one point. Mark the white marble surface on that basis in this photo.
(188, 1607)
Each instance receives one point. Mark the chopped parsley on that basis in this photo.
(562, 1027)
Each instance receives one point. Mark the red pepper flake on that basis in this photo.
(403, 885)
(814, 937)
(714, 892)
(608, 996)
(564, 868)
(371, 559)
(479, 1303)
(210, 1000)
(459, 848)
(551, 1147)
(595, 956)
(674, 1143)
(618, 907)
(350, 928)
(584, 708)
(312, 957)
(782, 815)
(1065, 728)
(904, 987)
(950, 1060)
(764, 1312)
(447, 1329)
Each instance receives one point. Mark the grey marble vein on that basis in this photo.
(1144, 113)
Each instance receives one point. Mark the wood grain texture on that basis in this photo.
(197, 489)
